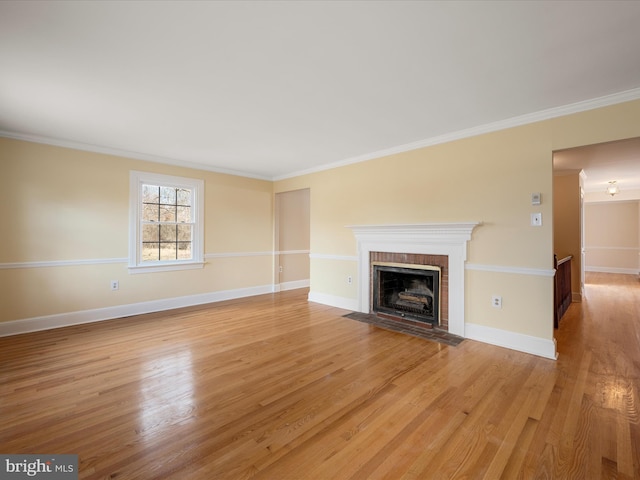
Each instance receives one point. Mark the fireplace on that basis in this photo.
(445, 240)
(407, 291)
(417, 276)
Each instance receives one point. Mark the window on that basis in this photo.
(166, 222)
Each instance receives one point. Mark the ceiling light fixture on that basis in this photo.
(612, 189)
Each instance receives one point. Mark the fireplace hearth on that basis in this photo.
(407, 291)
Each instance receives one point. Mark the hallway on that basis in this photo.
(599, 371)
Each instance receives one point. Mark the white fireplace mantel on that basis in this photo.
(425, 238)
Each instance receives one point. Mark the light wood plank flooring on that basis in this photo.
(274, 387)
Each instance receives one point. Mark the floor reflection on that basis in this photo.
(166, 392)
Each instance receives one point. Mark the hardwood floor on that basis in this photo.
(274, 387)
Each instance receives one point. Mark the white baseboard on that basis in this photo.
(514, 341)
(626, 271)
(493, 336)
(502, 338)
(15, 327)
(292, 285)
(334, 301)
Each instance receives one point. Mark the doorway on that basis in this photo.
(292, 240)
(607, 237)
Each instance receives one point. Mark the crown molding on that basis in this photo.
(577, 107)
(86, 147)
(583, 106)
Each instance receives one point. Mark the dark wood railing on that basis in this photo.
(562, 294)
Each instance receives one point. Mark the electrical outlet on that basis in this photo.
(496, 301)
(115, 285)
(349, 280)
(281, 268)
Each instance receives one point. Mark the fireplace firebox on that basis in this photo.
(408, 291)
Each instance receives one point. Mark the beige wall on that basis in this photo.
(63, 205)
(487, 178)
(612, 239)
(566, 224)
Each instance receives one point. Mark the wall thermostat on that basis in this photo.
(536, 198)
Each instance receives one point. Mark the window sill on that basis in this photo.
(165, 267)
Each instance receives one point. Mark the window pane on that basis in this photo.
(168, 195)
(150, 233)
(150, 193)
(167, 233)
(168, 229)
(150, 251)
(184, 233)
(150, 212)
(184, 250)
(167, 213)
(184, 214)
(184, 196)
(167, 251)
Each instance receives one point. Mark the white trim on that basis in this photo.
(196, 185)
(634, 249)
(577, 107)
(237, 254)
(626, 271)
(426, 238)
(86, 147)
(605, 101)
(493, 336)
(516, 270)
(315, 256)
(468, 266)
(102, 261)
(167, 267)
(62, 263)
(15, 327)
(334, 301)
(444, 233)
(514, 341)
(293, 285)
(325, 256)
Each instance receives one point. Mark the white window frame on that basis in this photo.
(136, 180)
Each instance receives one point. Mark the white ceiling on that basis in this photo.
(271, 89)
